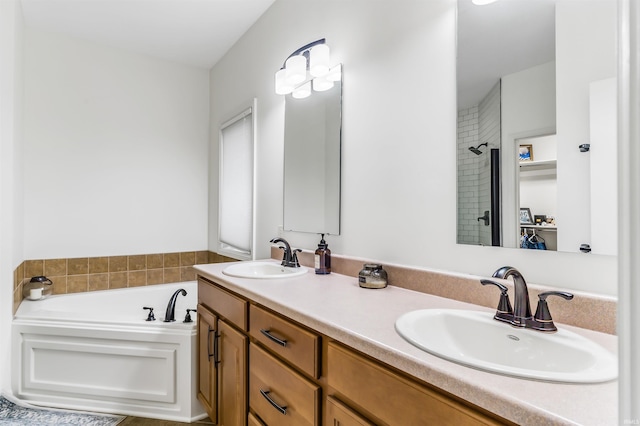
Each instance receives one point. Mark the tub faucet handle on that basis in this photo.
(187, 317)
(151, 317)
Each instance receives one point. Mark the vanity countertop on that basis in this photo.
(364, 319)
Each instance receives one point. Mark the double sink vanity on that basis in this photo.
(284, 346)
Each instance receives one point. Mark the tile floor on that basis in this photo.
(139, 421)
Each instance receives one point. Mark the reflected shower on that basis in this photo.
(476, 150)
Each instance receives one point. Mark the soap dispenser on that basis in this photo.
(323, 258)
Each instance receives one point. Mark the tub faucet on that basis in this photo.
(170, 315)
(290, 257)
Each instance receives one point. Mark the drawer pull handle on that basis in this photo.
(281, 409)
(270, 336)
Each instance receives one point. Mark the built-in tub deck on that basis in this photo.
(95, 351)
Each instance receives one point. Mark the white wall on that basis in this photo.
(116, 147)
(11, 27)
(399, 137)
(579, 25)
(528, 109)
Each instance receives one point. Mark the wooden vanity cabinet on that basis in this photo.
(276, 372)
(222, 355)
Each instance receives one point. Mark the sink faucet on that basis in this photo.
(520, 315)
(521, 304)
(290, 258)
(170, 315)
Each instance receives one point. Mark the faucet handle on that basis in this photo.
(294, 258)
(504, 311)
(187, 317)
(151, 317)
(542, 319)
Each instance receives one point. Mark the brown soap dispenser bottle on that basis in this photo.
(322, 258)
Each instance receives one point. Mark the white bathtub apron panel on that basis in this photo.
(141, 369)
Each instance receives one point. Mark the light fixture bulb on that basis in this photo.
(482, 2)
(335, 73)
(296, 70)
(303, 91)
(320, 84)
(282, 88)
(319, 60)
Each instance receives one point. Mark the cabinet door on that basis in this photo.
(232, 376)
(207, 371)
(253, 421)
(339, 414)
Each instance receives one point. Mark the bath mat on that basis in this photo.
(19, 414)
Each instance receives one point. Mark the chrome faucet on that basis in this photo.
(290, 258)
(170, 315)
(520, 315)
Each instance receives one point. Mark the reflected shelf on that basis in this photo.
(540, 227)
(538, 165)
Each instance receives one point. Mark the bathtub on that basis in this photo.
(94, 351)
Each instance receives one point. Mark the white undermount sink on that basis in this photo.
(477, 340)
(262, 270)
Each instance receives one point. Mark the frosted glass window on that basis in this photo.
(236, 219)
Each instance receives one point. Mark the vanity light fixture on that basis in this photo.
(307, 67)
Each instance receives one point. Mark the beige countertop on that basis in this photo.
(364, 319)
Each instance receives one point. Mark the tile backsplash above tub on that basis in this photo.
(102, 273)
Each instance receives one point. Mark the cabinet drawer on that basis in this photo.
(290, 341)
(391, 397)
(279, 395)
(227, 305)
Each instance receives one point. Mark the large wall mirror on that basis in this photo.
(536, 147)
(312, 146)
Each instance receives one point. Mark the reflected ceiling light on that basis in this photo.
(482, 2)
(310, 63)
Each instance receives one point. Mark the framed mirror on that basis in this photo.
(530, 71)
(312, 158)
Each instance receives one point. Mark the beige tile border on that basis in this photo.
(76, 275)
(590, 311)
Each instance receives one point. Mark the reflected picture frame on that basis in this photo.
(525, 153)
(525, 216)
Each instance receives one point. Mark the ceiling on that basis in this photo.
(199, 32)
(499, 39)
(193, 32)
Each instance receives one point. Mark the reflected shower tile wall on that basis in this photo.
(467, 175)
